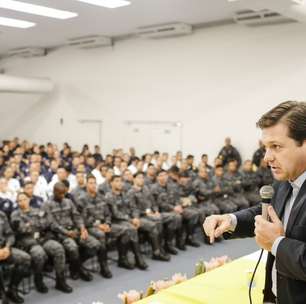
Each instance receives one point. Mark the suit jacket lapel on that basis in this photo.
(297, 205)
(281, 198)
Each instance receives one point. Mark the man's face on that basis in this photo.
(3, 185)
(91, 185)
(232, 166)
(75, 161)
(128, 176)
(91, 161)
(62, 174)
(165, 157)
(28, 189)
(227, 141)
(54, 165)
(80, 177)
(184, 181)
(247, 166)
(8, 173)
(184, 166)
(286, 159)
(162, 178)
(151, 171)
(139, 180)
(189, 161)
(219, 172)
(203, 173)
(103, 171)
(109, 174)
(59, 193)
(23, 201)
(117, 162)
(34, 176)
(117, 184)
(204, 159)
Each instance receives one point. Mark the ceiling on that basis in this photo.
(110, 22)
(94, 20)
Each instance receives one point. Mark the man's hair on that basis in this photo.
(160, 172)
(174, 169)
(66, 183)
(115, 177)
(184, 174)
(90, 176)
(292, 114)
(138, 173)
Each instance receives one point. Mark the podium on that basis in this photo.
(227, 284)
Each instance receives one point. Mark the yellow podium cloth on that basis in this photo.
(224, 285)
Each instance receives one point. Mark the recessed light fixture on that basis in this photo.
(36, 9)
(107, 3)
(16, 23)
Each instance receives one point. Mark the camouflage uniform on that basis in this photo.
(122, 228)
(203, 190)
(142, 201)
(104, 188)
(235, 182)
(222, 199)
(250, 186)
(95, 212)
(20, 260)
(33, 236)
(65, 218)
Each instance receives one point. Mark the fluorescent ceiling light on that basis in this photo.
(36, 9)
(107, 3)
(299, 1)
(16, 23)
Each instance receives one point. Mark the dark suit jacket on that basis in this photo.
(291, 252)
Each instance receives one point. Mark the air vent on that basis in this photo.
(260, 18)
(164, 31)
(28, 52)
(89, 42)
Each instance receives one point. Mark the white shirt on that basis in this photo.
(99, 178)
(133, 169)
(41, 189)
(13, 184)
(117, 171)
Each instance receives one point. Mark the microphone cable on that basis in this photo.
(252, 279)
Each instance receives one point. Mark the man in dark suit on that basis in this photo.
(284, 236)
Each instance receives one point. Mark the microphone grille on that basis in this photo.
(266, 192)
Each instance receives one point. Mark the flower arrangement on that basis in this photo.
(133, 296)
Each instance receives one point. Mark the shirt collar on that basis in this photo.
(297, 183)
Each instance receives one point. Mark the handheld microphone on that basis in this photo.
(266, 194)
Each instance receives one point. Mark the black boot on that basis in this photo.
(74, 269)
(123, 261)
(157, 253)
(139, 260)
(104, 269)
(180, 239)
(85, 275)
(170, 234)
(39, 283)
(78, 272)
(190, 240)
(16, 277)
(61, 283)
(3, 295)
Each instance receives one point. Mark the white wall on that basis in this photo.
(217, 82)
